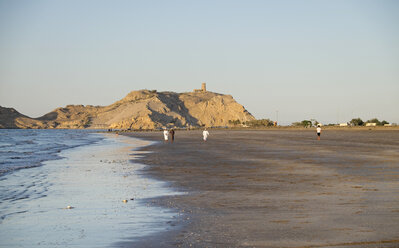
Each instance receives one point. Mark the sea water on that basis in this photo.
(66, 188)
(25, 148)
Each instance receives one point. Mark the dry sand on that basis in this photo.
(278, 188)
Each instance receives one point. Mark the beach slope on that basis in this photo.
(279, 188)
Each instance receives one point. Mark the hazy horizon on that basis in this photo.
(329, 61)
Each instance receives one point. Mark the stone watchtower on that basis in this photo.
(203, 87)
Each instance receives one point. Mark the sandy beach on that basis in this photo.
(277, 188)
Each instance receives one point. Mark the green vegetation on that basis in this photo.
(260, 123)
(379, 123)
(253, 123)
(304, 123)
(353, 122)
(356, 122)
(360, 122)
(234, 122)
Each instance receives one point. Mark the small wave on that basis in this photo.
(25, 142)
(20, 198)
(4, 145)
(26, 149)
(13, 167)
(3, 217)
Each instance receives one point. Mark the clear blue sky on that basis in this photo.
(327, 60)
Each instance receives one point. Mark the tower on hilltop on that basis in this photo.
(203, 88)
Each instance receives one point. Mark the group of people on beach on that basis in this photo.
(171, 132)
(205, 134)
(166, 135)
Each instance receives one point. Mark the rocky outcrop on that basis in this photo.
(10, 118)
(142, 109)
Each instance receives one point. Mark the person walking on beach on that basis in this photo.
(172, 135)
(205, 133)
(318, 130)
(165, 135)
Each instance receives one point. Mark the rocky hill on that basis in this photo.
(142, 109)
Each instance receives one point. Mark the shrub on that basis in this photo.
(259, 123)
(379, 123)
(234, 122)
(304, 123)
(384, 122)
(356, 122)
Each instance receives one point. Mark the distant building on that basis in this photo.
(343, 124)
(371, 124)
(203, 88)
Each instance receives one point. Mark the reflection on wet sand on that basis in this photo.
(282, 188)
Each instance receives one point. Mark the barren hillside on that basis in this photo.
(142, 109)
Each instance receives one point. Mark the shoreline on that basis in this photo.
(327, 127)
(79, 200)
(278, 188)
(278, 128)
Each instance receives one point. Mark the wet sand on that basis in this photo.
(278, 188)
